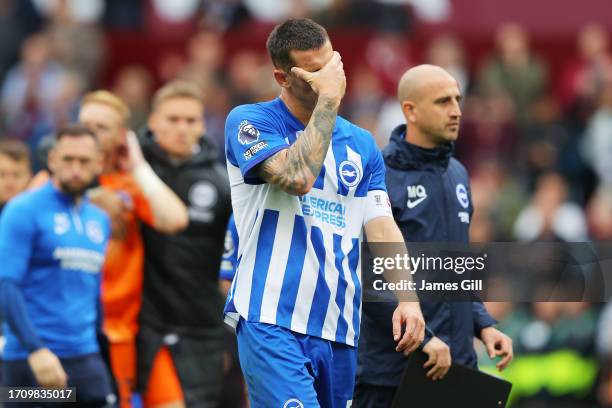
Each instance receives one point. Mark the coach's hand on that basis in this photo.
(497, 344)
(329, 81)
(47, 369)
(439, 358)
(408, 315)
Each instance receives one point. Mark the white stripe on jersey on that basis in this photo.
(276, 271)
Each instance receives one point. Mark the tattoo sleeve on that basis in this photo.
(294, 170)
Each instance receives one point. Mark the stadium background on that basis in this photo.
(536, 133)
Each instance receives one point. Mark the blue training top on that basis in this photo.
(51, 255)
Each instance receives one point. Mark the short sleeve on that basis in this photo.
(230, 253)
(251, 136)
(17, 233)
(377, 165)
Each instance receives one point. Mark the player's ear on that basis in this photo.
(409, 111)
(281, 78)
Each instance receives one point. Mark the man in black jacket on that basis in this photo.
(180, 344)
(430, 198)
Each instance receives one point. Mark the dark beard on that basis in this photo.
(71, 191)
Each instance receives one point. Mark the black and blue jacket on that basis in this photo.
(430, 196)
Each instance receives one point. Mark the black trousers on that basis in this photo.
(373, 396)
(198, 361)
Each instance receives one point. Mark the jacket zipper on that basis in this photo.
(76, 220)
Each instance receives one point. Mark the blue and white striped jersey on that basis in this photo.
(299, 256)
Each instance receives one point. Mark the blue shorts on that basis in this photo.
(284, 369)
(87, 373)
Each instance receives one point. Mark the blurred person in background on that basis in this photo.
(597, 139)
(52, 247)
(181, 338)
(550, 216)
(364, 98)
(132, 194)
(38, 93)
(15, 171)
(134, 85)
(515, 71)
(490, 130)
(75, 38)
(447, 51)
(582, 77)
(419, 157)
(599, 215)
(498, 198)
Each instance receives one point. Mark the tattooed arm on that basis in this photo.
(295, 169)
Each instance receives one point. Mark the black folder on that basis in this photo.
(461, 387)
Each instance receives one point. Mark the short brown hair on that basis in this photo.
(300, 34)
(109, 99)
(16, 150)
(76, 130)
(178, 89)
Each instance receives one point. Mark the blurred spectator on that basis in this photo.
(244, 78)
(489, 130)
(550, 216)
(38, 94)
(498, 198)
(14, 176)
(447, 51)
(597, 141)
(75, 38)
(365, 95)
(544, 139)
(599, 215)
(514, 70)
(134, 85)
(14, 169)
(582, 77)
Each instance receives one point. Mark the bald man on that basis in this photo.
(430, 198)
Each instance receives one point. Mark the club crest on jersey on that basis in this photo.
(247, 133)
(462, 195)
(350, 174)
(293, 403)
(94, 232)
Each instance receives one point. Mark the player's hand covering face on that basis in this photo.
(317, 73)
